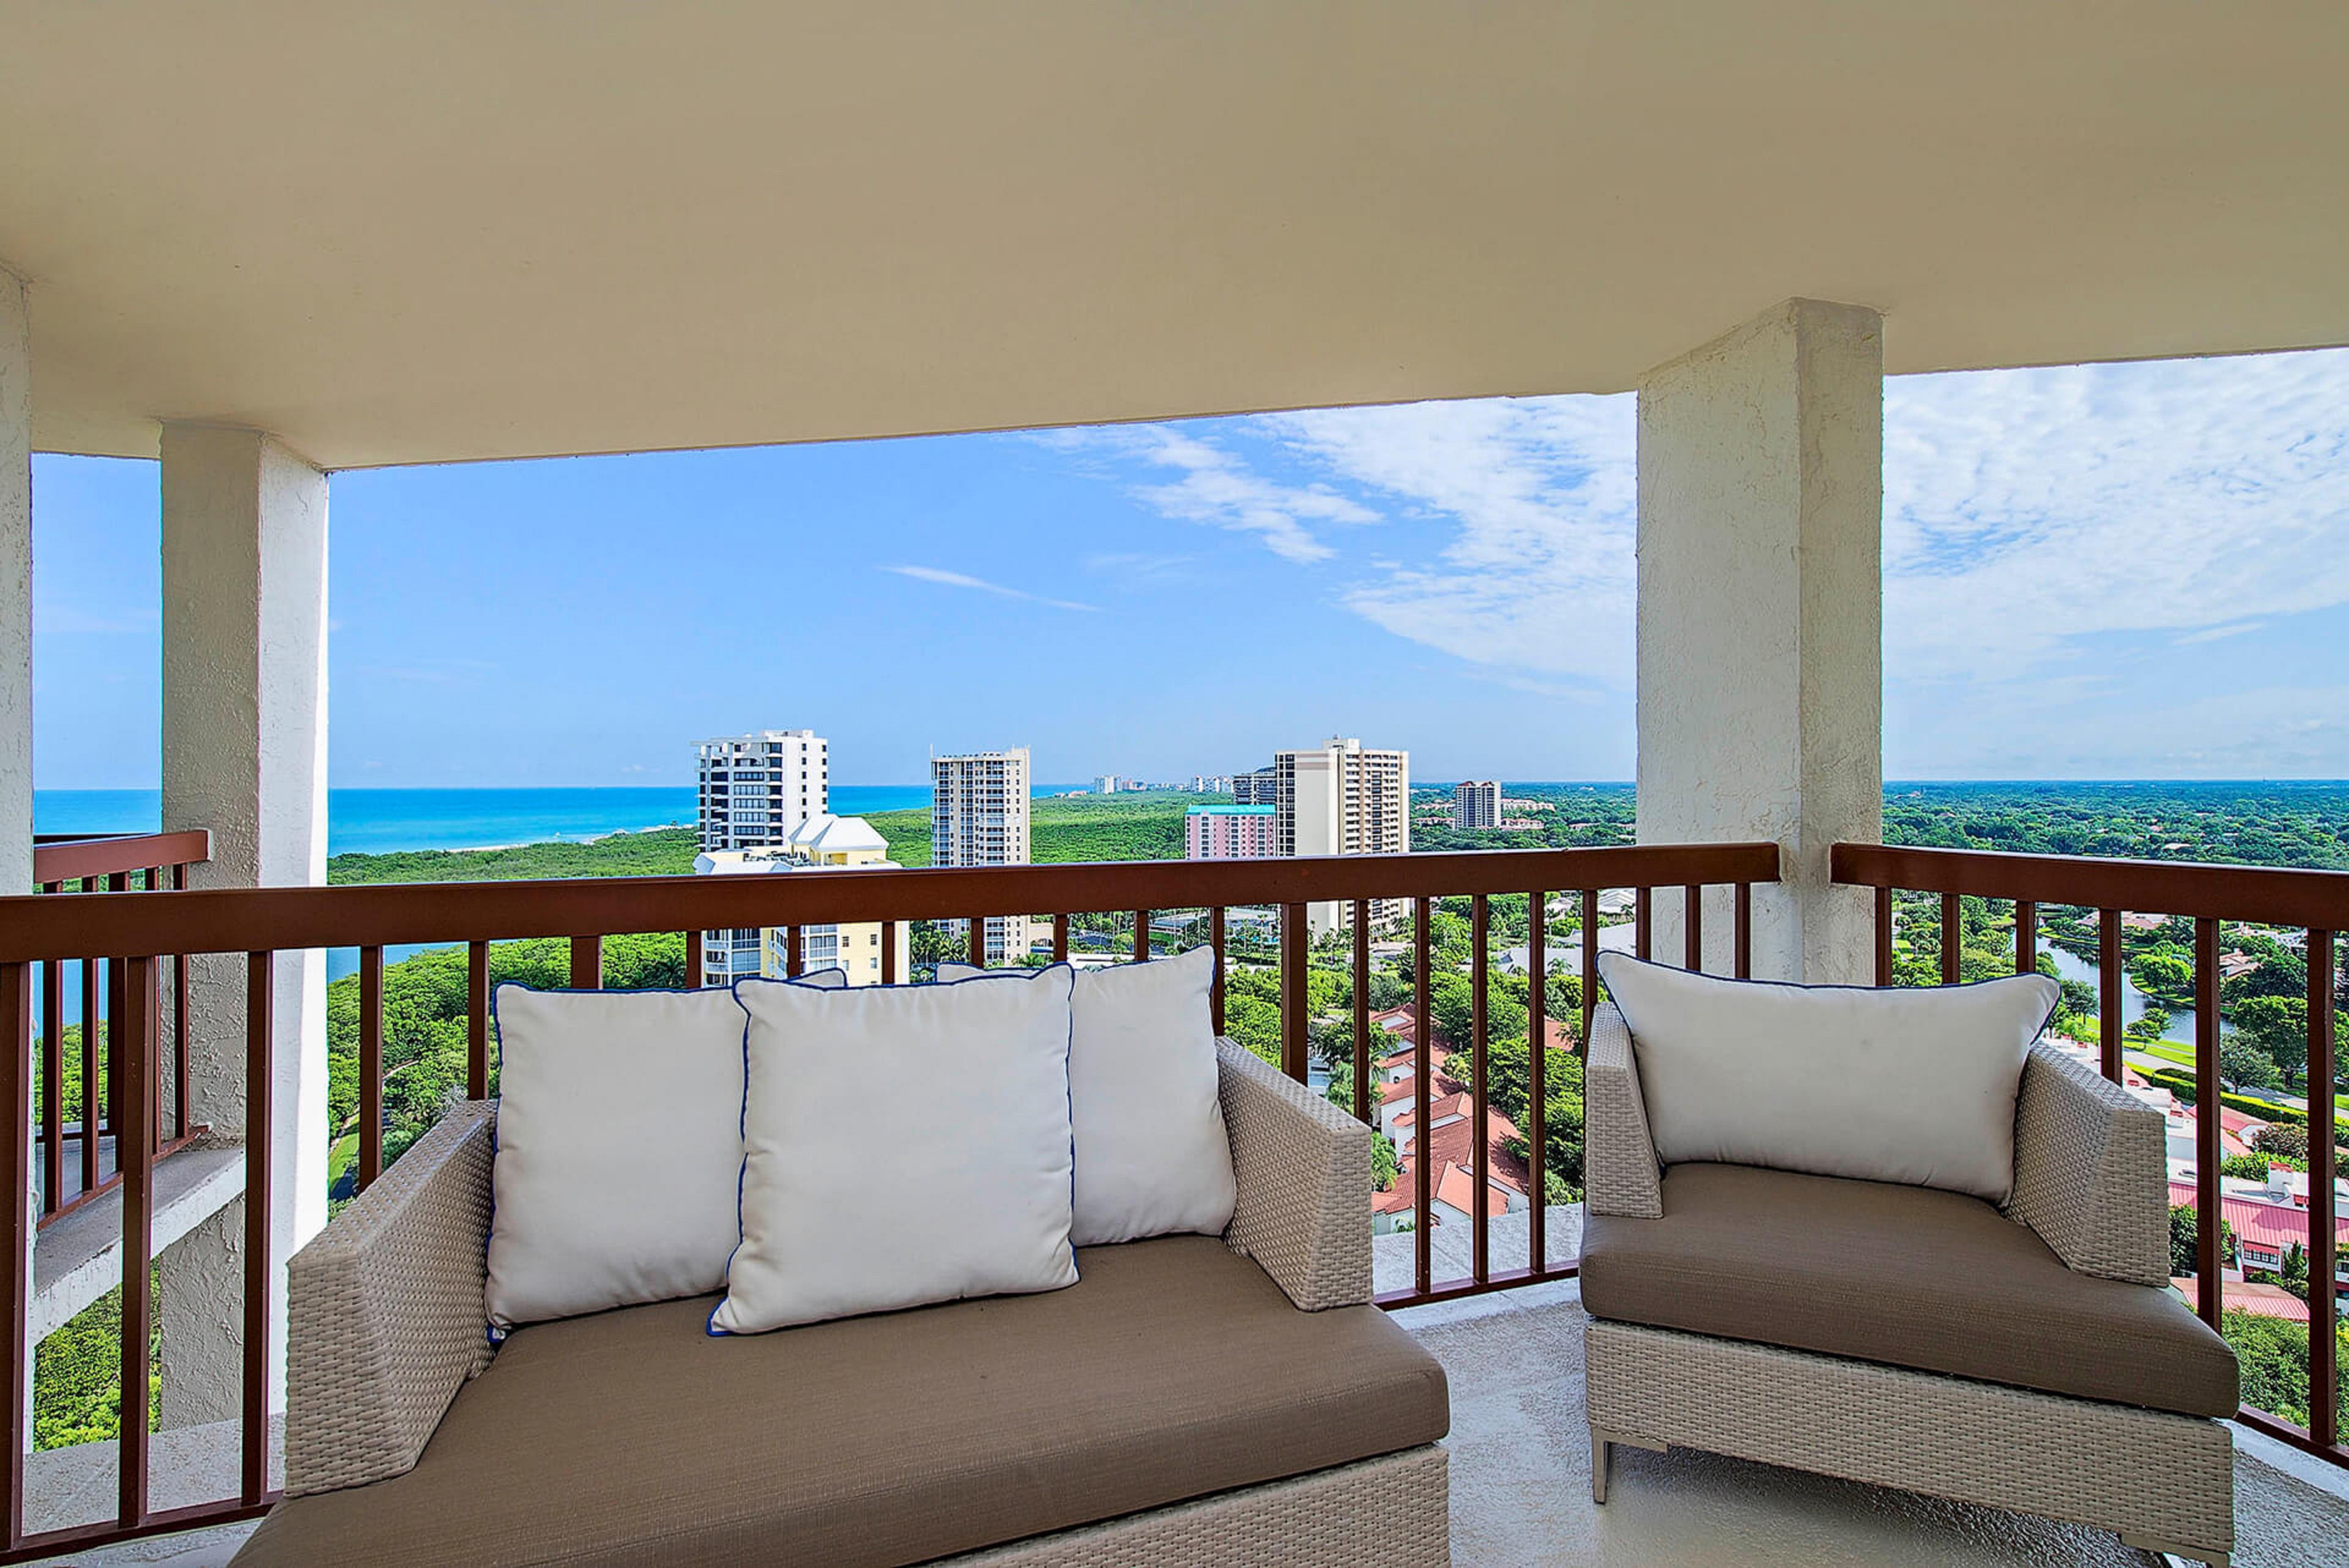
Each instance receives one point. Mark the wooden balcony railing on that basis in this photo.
(129, 862)
(253, 926)
(2316, 903)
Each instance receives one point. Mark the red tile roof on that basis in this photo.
(2273, 1225)
(2257, 1297)
(1454, 1149)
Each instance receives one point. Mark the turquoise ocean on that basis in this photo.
(378, 821)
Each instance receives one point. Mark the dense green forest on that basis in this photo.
(1061, 829)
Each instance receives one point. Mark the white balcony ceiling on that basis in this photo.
(440, 229)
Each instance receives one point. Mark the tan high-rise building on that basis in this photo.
(978, 817)
(1476, 804)
(1344, 799)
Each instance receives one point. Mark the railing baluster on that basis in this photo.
(1884, 936)
(180, 1022)
(260, 1024)
(53, 1084)
(16, 1232)
(794, 952)
(477, 1010)
(1215, 940)
(1538, 1079)
(1644, 910)
(1952, 923)
(1141, 936)
(1692, 936)
(888, 953)
(2209, 1287)
(370, 1162)
(1363, 1109)
(1480, 1150)
(2323, 1368)
(587, 963)
(116, 1005)
(2026, 937)
(976, 937)
(92, 1074)
(1590, 965)
(695, 977)
(2108, 994)
(1743, 935)
(134, 1157)
(1292, 990)
(1422, 1205)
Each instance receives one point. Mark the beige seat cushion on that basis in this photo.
(1932, 1280)
(1172, 1368)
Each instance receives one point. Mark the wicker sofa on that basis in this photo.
(1191, 1400)
(2031, 1359)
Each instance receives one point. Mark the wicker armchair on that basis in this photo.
(402, 1447)
(2031, 1358)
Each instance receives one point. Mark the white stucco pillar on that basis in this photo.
(244, 754)
(1761, 622)
(17, 641)
(15, 588)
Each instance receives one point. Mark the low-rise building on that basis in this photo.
(822, 843)
(1229, 833)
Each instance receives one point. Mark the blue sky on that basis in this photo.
(2115, 571)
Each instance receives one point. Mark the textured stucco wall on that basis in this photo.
(16, 589)
(245, 737)
(16, 632)
(1761, 621)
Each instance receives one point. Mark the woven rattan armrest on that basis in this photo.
(2090, 1172)
(386, 1309)
(1618, 1154)
(1303, 1171)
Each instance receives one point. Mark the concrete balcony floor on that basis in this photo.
(1521, 1483)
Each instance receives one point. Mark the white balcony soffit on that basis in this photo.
(440, 230)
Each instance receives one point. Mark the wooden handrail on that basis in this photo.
(61, 857)
(2317, 901)
(251, 920)
(2265, 895)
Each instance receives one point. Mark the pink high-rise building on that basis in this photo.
(1230, 833)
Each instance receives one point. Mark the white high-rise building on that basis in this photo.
(1341, 799)
(1476, 803)
(1106, 784)
(755, 789)
(978, 817)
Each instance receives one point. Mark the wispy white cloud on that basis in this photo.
(1137, 569)
(1219, 489)
(2040, 526)
(2214, 634)
(2028, 510)
(964, 579)
(1537, 495)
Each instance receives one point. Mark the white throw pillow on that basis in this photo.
(1152, 1157)
(951, 1175)
(1914, 1085)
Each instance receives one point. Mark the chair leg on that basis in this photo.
(1600, 1451)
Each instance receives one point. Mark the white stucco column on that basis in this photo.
(15, 588)
(1761, 622)
(16, 644)
(244, 754)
